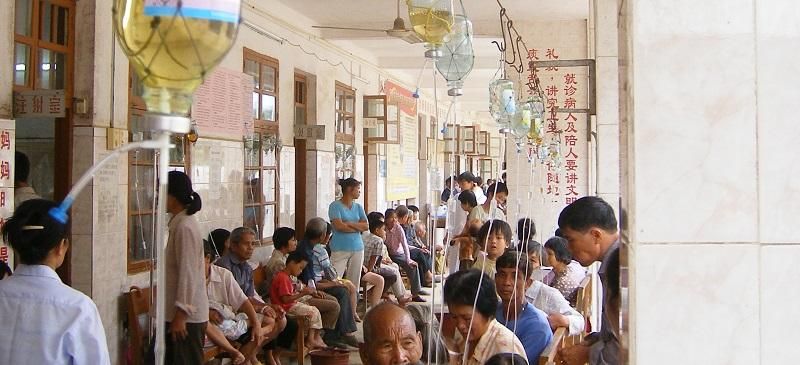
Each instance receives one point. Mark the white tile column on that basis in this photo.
(710, 179)
(606, 140)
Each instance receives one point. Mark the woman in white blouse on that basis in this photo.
(45, 321)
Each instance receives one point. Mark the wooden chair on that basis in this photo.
(548, 356)
(259, 276)
(583, 305)
(138, 311)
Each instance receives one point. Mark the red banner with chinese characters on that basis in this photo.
(7, 148)
(402, 97)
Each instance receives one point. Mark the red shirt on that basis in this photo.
(281, 285)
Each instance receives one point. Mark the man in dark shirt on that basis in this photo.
(447, 192)
(242, 245)
(590, 227)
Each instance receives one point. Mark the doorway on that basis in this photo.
(43, 60)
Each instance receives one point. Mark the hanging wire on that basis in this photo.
(431, 248)
(480, 283)
(514, 44)
(446, 245)
(419, 79)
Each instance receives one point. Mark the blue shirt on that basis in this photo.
(532, 329)
(47, 322)
(242, 272)
(319, 262)
(346, 241)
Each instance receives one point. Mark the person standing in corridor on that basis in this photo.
(349, 220)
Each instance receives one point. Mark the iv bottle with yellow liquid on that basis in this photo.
(174, 44)
(432, 20)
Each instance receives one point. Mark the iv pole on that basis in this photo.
(163, 126)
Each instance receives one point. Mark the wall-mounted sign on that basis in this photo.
(7, 148)
(40, 103)
(305, 131)
(370, 122)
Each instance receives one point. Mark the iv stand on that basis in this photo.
(163, 126)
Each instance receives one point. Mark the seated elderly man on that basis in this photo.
(390, 337)
(242, 244)
(226, 299)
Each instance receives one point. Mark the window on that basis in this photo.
(42, 44)
(142, 172)
(345, 114)
(345, 148)
(262, 148)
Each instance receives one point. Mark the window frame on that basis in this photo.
(35, 44)
(263, 129)
(341, 93)
(137, 108)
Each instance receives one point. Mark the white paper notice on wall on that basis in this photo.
(223, 105)
(7, 148)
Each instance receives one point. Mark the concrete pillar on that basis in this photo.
(99, 216)
(606, 125)
(708, 154)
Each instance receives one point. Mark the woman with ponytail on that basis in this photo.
(185, 289)
(349, 220)
(46, 321)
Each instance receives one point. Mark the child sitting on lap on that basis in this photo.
(286, 292)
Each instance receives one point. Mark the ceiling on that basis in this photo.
(406, 60)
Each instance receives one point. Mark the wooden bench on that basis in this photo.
(139, 308)
(548, 356)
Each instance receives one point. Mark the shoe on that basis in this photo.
(427, 284)
(350, 341)
(424, 292)
(418, 299)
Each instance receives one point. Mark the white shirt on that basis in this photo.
(24, 194)
(47, 322)
(456, 217)
(550, 300)
(497, 340)
(223, 288)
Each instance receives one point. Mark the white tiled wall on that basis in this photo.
(715, 194)
(217, 175)
(696, 302)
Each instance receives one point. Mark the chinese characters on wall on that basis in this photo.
(7, 148)
(564, 179)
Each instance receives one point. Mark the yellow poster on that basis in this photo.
(402, 160)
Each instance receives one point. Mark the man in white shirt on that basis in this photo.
(552, 302)
(22, 190)
(495, 204)
(457, 217)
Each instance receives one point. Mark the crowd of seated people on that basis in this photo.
(501, 307)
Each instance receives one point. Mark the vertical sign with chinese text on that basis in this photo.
(546, 186)
(7, 148)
